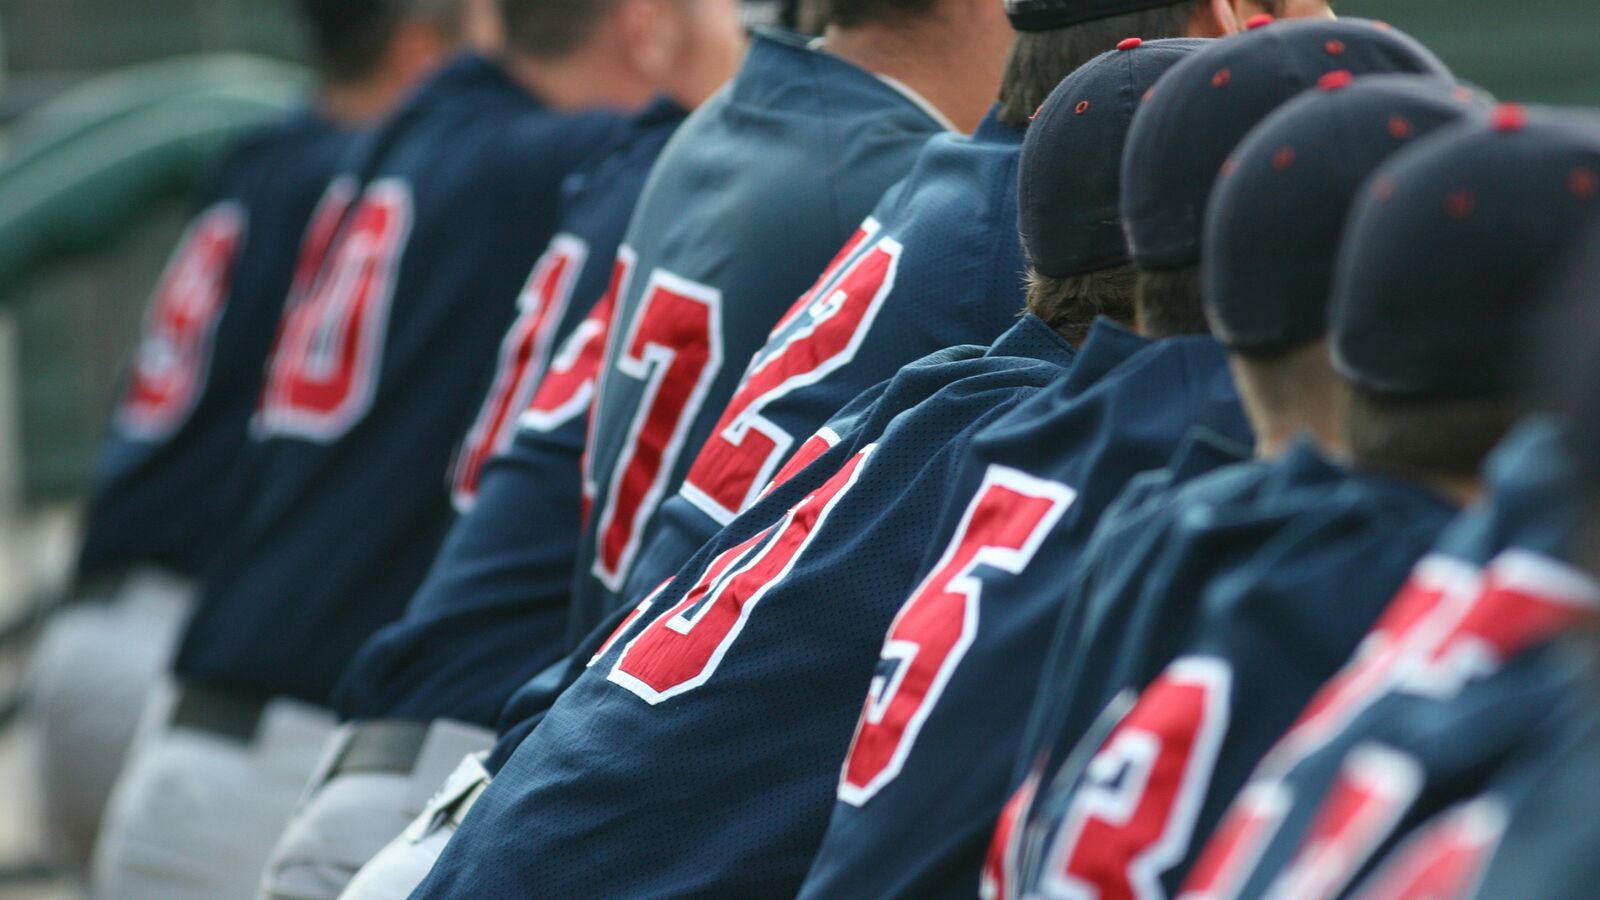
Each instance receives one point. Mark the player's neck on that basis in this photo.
(934, 57)
(582, 80)
(358, 103)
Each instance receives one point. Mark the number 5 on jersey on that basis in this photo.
(1001, 530)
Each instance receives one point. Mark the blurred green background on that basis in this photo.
(76, 320)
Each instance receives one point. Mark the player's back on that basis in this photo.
(446, 208)
(493, 610)
(1298, 572)
(747, 204)
(937, 264)
(161, 493)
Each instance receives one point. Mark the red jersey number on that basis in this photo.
(682, 648)
(819, 334)
(324, 371)
(1002, 528)
(174, 357)
(523, 354)
(1135, 808)
(675, 349)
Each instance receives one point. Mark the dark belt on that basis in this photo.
(380, 746)
(217, 712)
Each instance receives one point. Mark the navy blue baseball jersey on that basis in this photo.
(377, 371)
(759, 189)
(159, 496)
(698, 753)
(1542, 831)
(931, 760)
(1457, 676)
(493, 610)
(1284, 580)
(938, 264)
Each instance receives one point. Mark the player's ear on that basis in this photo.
(1214, 18)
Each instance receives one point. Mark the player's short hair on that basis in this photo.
(1168, 302)
(850, 13)
(350, 39)
(1424, 437)
(1040, 59)
(1070, 305)
(551, 29)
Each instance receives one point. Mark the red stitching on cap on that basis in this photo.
(1399, 127)
(1509, 117)
(1334, 48)
(1036, 113)
(1222, 77)
(1383, 189)
(1337, 80)
(1284, 158)
(1082, 107)
(1147, 95)
(1460, 203)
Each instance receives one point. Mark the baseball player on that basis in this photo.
(159, 501)
(1299, 570)
(492, 611)
(1118, 628)
(1458, 671)
(444, 210)
(839, 542)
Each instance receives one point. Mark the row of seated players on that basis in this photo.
(1004, 459)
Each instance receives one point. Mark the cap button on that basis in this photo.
(1509, 117)
(1337, 80)
(1127, 44)
(1259, 20)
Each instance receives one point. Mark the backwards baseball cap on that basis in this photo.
(1449, 246)
(1045, 15)
(1070, 176)
(1280, 204)
(1200, 111)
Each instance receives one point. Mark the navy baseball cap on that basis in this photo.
(1280, 204)
(1046, 15)
(1205, 106)
(1070, 177)
(1449, 246)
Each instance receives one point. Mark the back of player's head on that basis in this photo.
(1055, 37)
(1279, 208)
(1444, 256)
(351, 38)
(1069, 185)
(1197, 114)
(552, 29)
